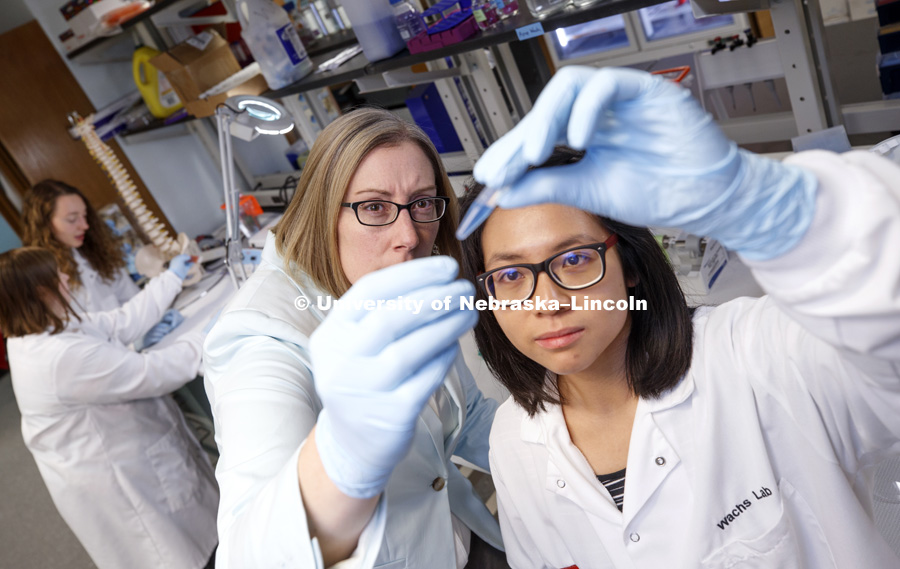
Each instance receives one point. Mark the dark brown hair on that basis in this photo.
(660, 343)
(29, 288)
(306, 237)
(101, 248)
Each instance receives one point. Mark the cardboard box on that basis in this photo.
(200, 63)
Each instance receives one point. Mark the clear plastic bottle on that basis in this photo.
(409, 20)
(485, 12)
(305, 34)
(273, 40)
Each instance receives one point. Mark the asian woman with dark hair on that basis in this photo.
(659, 347)
(744, 435)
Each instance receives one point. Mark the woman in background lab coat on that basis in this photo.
(57, 217)
(740, 436)
(121, 464)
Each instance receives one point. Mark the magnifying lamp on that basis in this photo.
(244, 117)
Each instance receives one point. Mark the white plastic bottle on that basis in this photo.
(269, 33)
(409, 20)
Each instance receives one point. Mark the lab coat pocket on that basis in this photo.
(175, 467)
(772, 550)
(779, 547)
(398, 564)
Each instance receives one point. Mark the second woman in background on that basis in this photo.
(59, 218)
(119, 460)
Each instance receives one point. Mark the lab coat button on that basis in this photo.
(660, 460)
(561, 483)
(438, 484)
(635, 537)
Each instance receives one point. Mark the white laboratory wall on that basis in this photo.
(264, 155)
(178, 171)
(13, 14)
(8, 238)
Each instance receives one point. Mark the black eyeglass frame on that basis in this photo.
(400, 207)
(544, 267)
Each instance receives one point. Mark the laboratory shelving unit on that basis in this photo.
(480, 79)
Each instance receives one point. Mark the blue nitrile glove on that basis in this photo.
(170, 320)
(180, 265)
(375, 369)
(655, 158)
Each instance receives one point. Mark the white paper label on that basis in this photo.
(201, 40)
(167, 96)
(715, 257)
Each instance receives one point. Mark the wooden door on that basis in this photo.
(37, 92)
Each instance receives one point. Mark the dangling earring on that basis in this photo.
(435, 250)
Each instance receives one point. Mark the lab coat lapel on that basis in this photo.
(569, 476)
(650, 460)
(435, 428)
(451, 391)
(454, 389)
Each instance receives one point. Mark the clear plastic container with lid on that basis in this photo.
(273, 40)
(374, 26)
(409, 20)
(543, 8)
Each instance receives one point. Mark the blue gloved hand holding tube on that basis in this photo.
(653, 157)
(180, 265)
(170, 320)
(375, 369)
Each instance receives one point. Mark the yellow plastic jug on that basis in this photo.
(156, 90)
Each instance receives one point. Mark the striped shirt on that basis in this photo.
(615, 485)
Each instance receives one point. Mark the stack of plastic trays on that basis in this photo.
(452, 28)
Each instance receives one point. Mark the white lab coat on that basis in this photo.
(261, 387)
(763, 456)
(120, 462)
(97, 294)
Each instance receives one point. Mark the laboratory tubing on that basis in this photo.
(409, 21)
(543, 8)
(273, 40)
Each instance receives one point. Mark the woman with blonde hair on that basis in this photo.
(336, 421)
(118, 458)
(60, 219)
